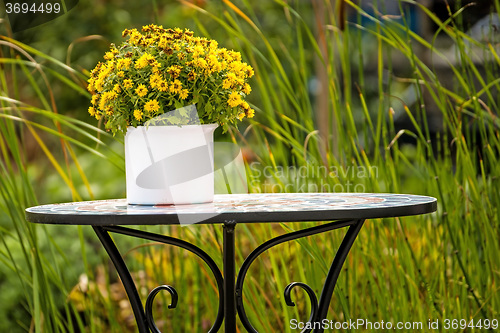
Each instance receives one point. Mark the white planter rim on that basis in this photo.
(214, 125)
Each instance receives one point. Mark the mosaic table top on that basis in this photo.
(240, 208)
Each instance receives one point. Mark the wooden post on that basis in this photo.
(325, 120)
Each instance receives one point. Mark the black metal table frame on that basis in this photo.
(230, 285)
(342, 209)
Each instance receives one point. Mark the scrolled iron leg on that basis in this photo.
(335, 268)
(312, 297)
(149, 304)
(318, 310)
(128, 282)
(144, 319)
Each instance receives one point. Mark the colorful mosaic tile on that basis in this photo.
(358, 204)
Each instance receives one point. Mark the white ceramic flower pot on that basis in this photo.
(169, 164)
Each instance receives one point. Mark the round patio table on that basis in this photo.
(337, 210)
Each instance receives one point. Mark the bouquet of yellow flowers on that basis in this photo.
(160, 70)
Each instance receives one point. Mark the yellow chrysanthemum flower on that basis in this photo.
(111, 95)
(148, 42)
(249, 71)
(213, 61)
(227, 83)
(234, 99)
(127, 84)
(174, 71)
(192, 76)
(230, 81)
(241, 116)
(163, 86)
(110, 65)
(135, 36)
(141, 90)
(246, 89)
(141, 63)
(175, 87)
(109, 55)
(198, 51)
(102, 103)
(123, 63)
(145, 60)
(201, 63)
(156, 68)
(213, 44)
(154, 80)
(152, 106)
(91, 111)
(99, 83)
(236, 66)
(235, 55)
(184, 94)
(163, 42)
(138, 114)
(106, 97)
(223, 53)
(91, 85)
(250, 113)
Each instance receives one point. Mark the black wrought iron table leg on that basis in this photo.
(318, 309)
(229, 259)
(128, 282)
(335, 268)
(144, 317)
(230, 294)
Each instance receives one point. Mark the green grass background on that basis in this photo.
(418, 112)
